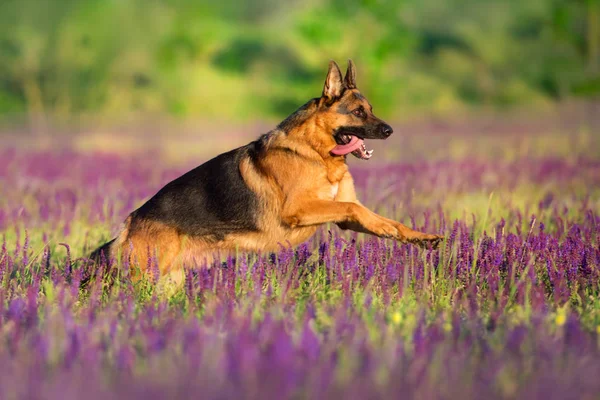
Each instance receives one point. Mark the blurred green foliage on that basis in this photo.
(263, 58)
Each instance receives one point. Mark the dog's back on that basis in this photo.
(209, 201)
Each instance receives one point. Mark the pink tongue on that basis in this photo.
(343, 149)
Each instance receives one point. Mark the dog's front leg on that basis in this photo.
(317, 212)
(351, 215)
(405, 234)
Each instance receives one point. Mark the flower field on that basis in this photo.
(507, 307)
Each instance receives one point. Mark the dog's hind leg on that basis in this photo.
(171, 282)
(150, 245)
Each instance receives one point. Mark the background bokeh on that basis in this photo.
(83, 61)
(496, 147)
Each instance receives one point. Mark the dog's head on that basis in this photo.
(347, 116)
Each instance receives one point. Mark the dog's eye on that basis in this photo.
(359, 112)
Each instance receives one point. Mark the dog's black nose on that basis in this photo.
(387, 130)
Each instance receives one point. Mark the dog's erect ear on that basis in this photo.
(350, 78)
(333, 83)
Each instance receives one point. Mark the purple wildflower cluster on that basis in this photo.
(508, 307)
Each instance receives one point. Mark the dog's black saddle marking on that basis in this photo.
(211, 200)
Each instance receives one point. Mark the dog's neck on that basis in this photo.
(303, 125)
(299, 117)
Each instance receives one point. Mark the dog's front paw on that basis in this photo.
(430, 241)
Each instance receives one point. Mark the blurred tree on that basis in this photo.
(260, 58)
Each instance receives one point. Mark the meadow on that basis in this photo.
(507, 307)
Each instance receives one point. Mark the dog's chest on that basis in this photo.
(334, 189)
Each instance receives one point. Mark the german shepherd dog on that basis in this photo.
(279, 188)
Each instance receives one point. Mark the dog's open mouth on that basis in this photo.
(351, 144)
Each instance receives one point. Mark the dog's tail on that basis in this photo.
(102, 253)
(101, 259)
(98, 260)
